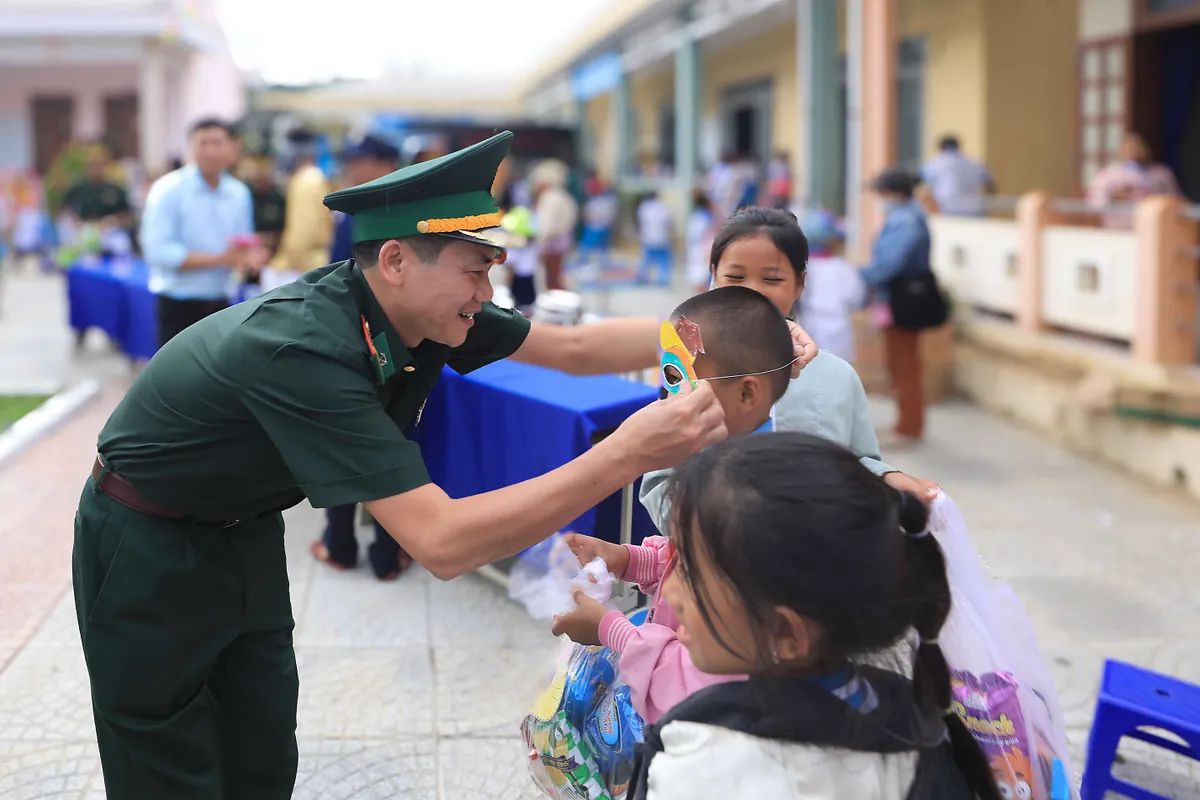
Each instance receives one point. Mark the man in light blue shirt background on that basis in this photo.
(196, 228)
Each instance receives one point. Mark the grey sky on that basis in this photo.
(290, 42)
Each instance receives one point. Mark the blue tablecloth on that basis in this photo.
(111, 294)
(509, 422)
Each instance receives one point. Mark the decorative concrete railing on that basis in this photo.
(1046, 270)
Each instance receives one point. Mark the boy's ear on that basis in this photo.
(752, 391)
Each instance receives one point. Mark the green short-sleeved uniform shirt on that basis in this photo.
(279, 398)
(95, 201)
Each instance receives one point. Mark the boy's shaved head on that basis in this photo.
(743, 332)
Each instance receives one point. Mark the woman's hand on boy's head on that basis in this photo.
(803, 347)
(582, 625)
(921, 488)
(587, 548)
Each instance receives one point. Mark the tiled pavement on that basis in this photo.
(414, 689)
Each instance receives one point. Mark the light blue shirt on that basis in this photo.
(827, 400)
(184, 215)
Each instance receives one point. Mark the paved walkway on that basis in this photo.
(414, 689)
(37, 348)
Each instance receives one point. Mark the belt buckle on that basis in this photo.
(231, 523)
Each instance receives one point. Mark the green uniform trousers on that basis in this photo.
(187, 634)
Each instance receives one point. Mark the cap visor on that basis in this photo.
(495, 237)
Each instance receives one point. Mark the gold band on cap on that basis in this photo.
(455, 224)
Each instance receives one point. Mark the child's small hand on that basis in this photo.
(582, 625)
(803, 347)
(586, 548)
(924, 490)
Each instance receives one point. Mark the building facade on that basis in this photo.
(1088, 334)
(133, 73)
(1039, 91)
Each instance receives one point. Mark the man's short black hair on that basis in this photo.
(743, 332)
(208, 123)
(948, 143)
(427, 248)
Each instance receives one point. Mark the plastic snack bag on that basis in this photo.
(582, 731)
(1000, 685)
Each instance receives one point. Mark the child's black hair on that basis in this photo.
(780, 225)
(797, 521)
(743, 332)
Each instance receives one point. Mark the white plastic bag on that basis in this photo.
(546, 574)
(1002, 687)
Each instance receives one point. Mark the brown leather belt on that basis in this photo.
(124, 493)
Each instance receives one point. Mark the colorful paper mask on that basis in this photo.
(680, 344)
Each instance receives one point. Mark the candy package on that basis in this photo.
(1000, 685)
(583, 730)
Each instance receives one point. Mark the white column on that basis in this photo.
(153, 107)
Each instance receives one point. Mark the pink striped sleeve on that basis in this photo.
(648, 563)
(656, 666)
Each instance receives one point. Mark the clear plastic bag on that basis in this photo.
(546, 574)
(1001, 686)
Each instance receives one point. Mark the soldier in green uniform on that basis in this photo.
(181, 587)
(96, 198)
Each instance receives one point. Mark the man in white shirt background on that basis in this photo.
(958, 183)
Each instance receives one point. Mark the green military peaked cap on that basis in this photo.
(449, 196)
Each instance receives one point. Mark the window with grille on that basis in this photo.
(1103, 104)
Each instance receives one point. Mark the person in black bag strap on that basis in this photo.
(901, 280)
(799, 568)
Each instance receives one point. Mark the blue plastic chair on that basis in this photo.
(1132, 698)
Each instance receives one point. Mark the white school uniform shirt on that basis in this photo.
(654, 223)
(832, 290)
(523, 261)
(699, 245)
(699, 762)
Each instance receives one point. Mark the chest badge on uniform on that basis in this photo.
(381, 353)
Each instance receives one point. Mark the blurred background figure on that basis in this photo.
(779, 181)
(556, 213)
(701, 228)
(194, 231)
(365, 160)
(269, 203)
(308, 224)
(654, 234)
(833, 289)
(28, 224)
(1133, 176)
(523, 257)
(600, 213)
(97, 199)
(958, 183)
(901, 249)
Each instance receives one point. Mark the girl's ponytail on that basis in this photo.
(929, 589)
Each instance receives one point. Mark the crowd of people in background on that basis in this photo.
(257, 221)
